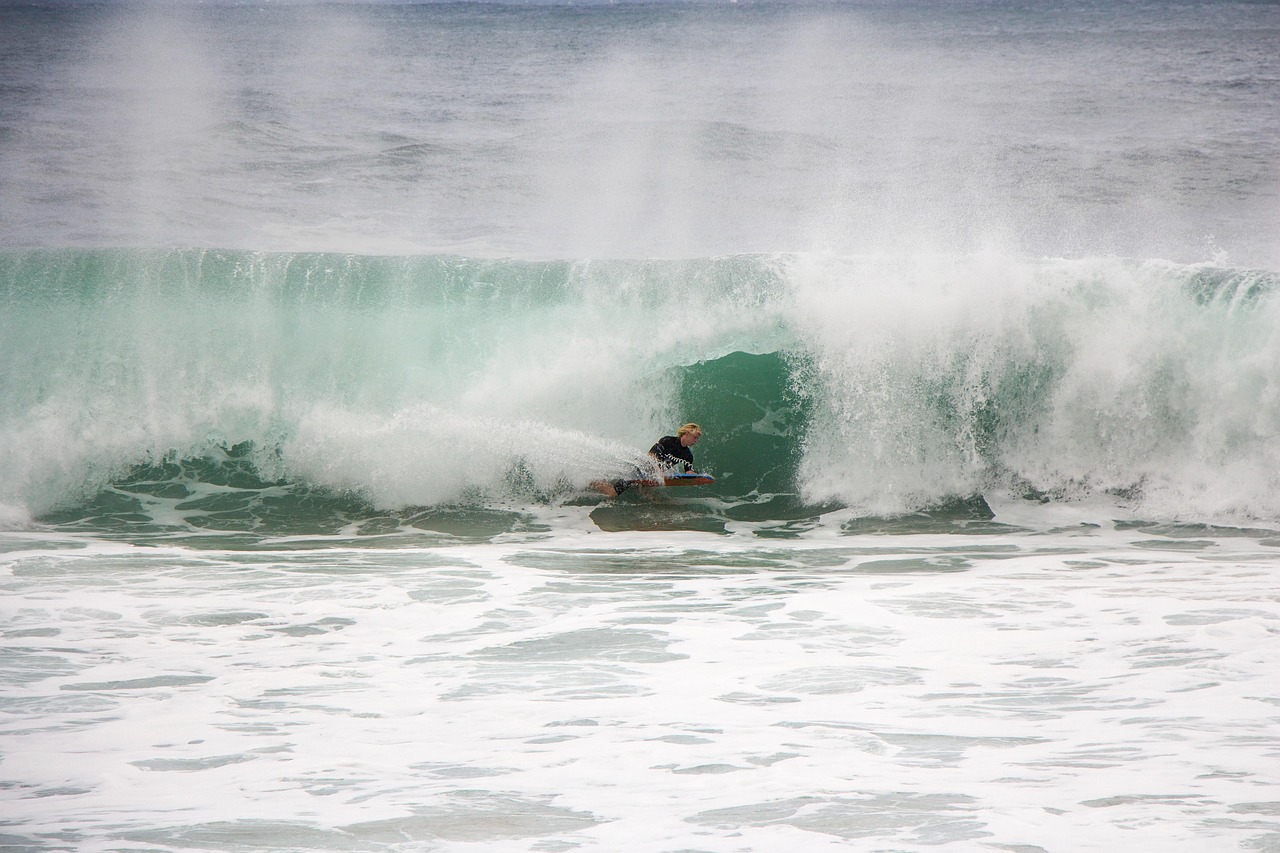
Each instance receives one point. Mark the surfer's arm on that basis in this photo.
(666, 460)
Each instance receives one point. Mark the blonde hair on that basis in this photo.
(688, 428)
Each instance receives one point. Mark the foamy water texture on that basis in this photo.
(1052, 680)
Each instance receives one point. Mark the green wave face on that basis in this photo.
(313, 393)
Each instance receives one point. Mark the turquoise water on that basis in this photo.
(318, 320)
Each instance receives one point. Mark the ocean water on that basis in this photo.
(318, 320)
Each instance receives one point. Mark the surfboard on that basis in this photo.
(678, 480)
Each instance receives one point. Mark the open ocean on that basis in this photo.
(317, 320)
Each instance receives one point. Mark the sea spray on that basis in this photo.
(944, 376)
(425, 455)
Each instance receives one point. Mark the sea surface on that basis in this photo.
(317, 321)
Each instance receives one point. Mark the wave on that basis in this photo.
(882, 383)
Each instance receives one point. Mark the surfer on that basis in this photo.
(671, 452)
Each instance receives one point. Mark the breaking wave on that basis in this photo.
(882, 383)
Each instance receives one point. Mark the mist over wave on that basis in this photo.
(883, 383)
(646, 129)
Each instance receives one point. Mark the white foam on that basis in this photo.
(1072, 680)
(933, 374)
(15, 518)
(425, 455)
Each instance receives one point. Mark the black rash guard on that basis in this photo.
(672, 453)
(669, 452)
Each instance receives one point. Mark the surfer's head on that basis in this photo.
(689, 434)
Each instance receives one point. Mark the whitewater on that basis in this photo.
(318, 320)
